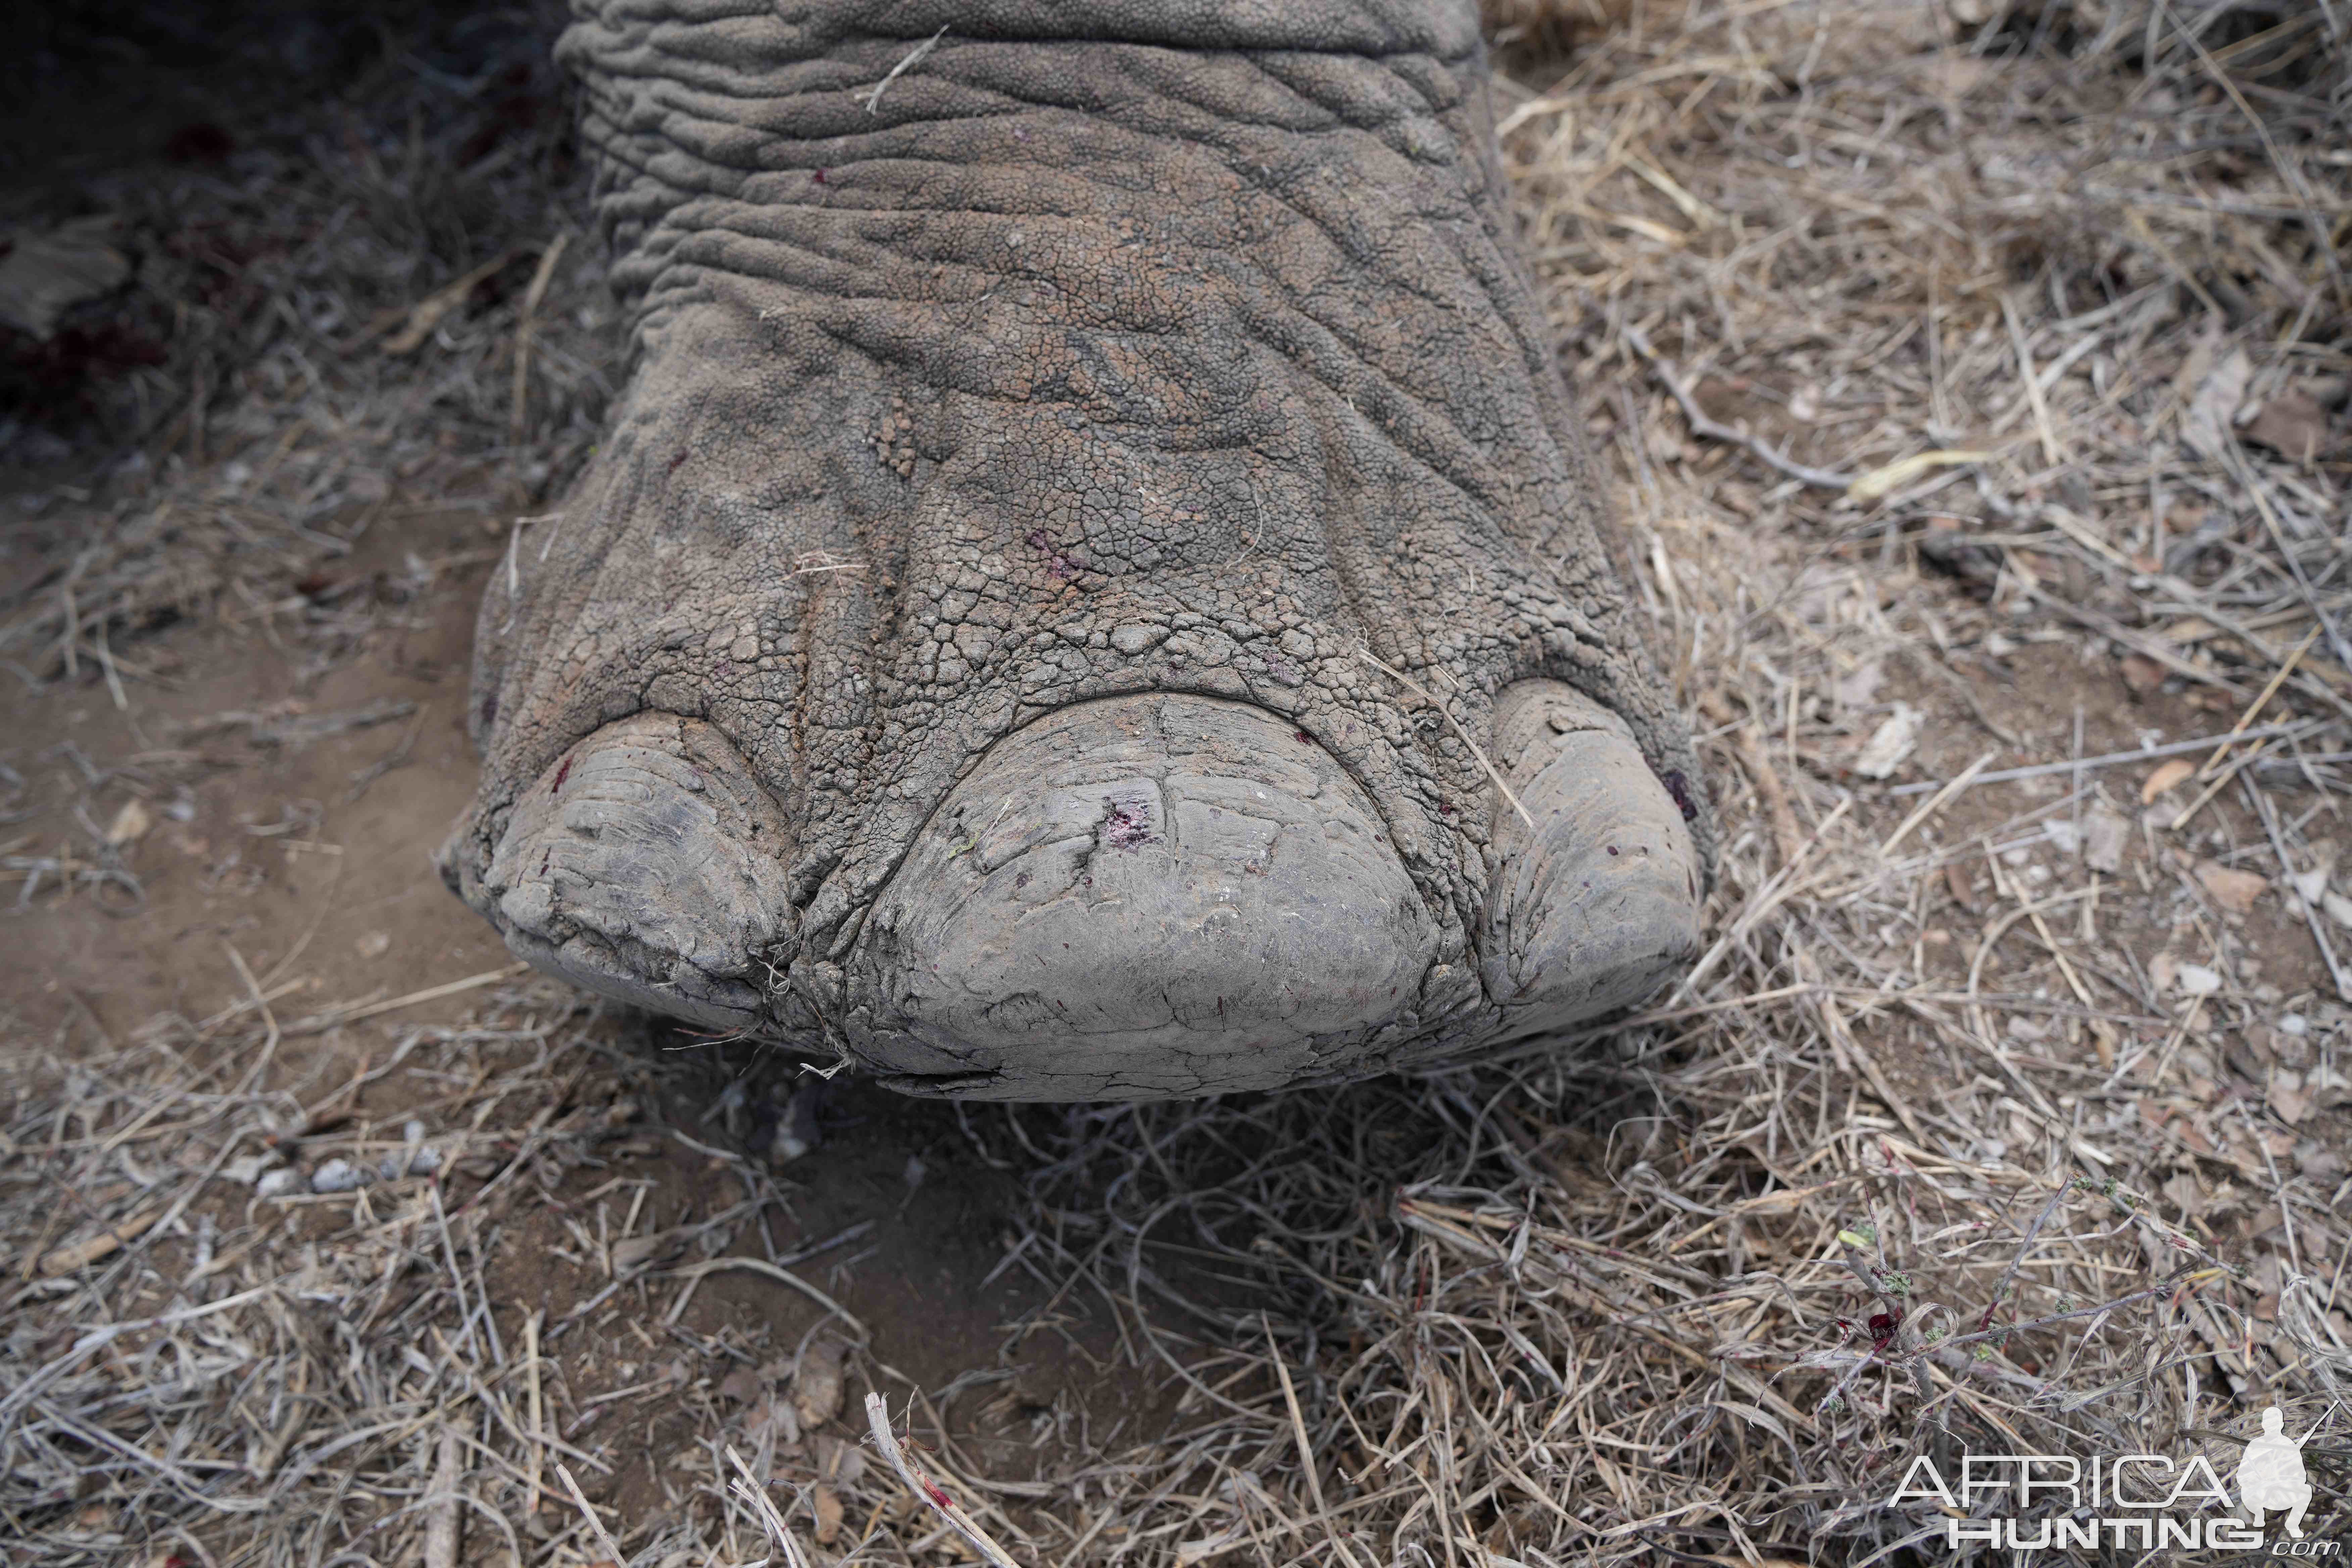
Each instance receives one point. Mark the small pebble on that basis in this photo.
(336, 1176)
(272, 1182)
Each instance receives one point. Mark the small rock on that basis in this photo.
(742, 1385)
(2312, 886)
(2142, 675)
(425, 1162)
(247, 1169)
(1894, 741)
(130, 825)
(798, 1130)
(2196, 979)
(636, 1254)
(374, 945)
(2233, 890)
(2105, 833)
(272, 1182)
(2338, 908)
(337, 1176)
(826, 1503)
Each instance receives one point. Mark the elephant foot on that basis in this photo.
(643, 866)
(1141, 897)
(1093, 587)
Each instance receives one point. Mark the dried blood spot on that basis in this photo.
(674, 462)
(1679, 787)
(1302, 737)
(1126, 827)
(560, 774)
(1061, 568)
(818, 176)
(1612, 850)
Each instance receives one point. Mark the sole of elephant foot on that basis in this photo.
(1595, 897)
(1140, 897)
(646, 865)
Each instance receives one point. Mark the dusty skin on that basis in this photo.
(1171, 373)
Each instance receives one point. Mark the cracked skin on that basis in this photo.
(1083, 536)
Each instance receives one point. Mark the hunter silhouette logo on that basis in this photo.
(2270, 1475)
(2135, 1501)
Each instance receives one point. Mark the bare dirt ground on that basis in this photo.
(1972, 380)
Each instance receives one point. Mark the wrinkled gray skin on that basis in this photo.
(966, 654)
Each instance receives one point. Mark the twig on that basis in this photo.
(760, 1265)
(2238, 730)
(2312, 917)
(1306, 1449)
(1928, 808)
(914, 56)
(1787, 836)
(611, 1552)
(746, 1486)
(320, 1023)
(525, 329)
(1820, 479)
(537, 1407)
(2109, 760)
(878, 1421)
(1416, 687)
(441, 1516)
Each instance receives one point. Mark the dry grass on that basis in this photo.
(1991, 1121)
